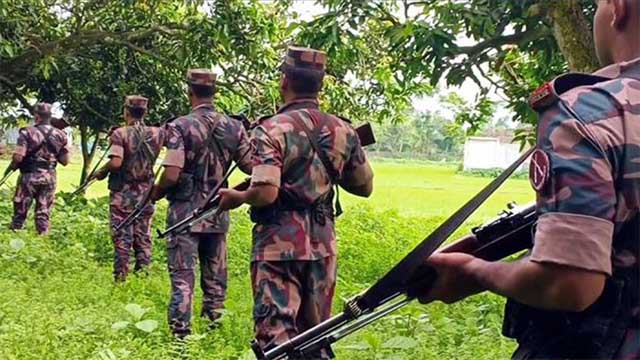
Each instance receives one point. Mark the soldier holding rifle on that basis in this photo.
(200, 149)
(577, 294)
(300, 153)
(39, 149)
(133, 152)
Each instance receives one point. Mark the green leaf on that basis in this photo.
(119, 325)
(400, 342)
(17, 244)
(136, 311)
(147, 326)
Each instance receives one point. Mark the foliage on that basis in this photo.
(58, 300)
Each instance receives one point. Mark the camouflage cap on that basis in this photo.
(136, 101)
(42, 108)
(306, 58)
(201, 77)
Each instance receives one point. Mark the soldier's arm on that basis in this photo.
(242, 155)
(20, 151)
(173, 162)
(571, 257)
(116, 153)
(357, 175)
(63, 155)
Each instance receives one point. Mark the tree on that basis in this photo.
(512, 46)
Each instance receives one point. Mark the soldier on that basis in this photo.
(39, 149)
(300, 153)
(200, 149)
(133, 152)
(577, 293)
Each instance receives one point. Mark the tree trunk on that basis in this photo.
(573, 34)
(88, 152)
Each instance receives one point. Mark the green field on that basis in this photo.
(57, 299)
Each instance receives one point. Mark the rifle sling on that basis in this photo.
(396, 281)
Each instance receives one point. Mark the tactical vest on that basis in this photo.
(599, 331)
(194, 178)
(33, 162)
(322, 208)
(118, 179)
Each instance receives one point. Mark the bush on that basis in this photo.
(58, 301)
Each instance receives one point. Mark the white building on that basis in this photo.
(482, 153)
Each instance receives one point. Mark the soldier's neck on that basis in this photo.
(198, 102)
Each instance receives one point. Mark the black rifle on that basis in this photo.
(6, 176)
(209, 209)
(390, 292)
(90, 179)
(137, 211)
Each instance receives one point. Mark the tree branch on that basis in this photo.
(501, 40)
(17, 93)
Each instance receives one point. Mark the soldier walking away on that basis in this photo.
(300, 153)
(134, 149)
(200, 149)
(39, 149)
(577, 294)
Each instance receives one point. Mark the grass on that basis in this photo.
(57, 299)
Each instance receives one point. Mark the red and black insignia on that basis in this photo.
(543, 97)
(539, 169)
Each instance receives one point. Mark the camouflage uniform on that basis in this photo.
(586, 174)
(203, 144)
(138, 146)
(41, 146)
(293, 269)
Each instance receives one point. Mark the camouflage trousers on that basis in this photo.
(183, 253)
(291, 297)
(43, 192)
(136, 236)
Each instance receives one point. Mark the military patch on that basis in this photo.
(543, 97)
(539, 169)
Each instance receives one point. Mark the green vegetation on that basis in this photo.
(58, 301)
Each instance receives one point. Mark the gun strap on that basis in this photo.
(395, 282)
(334, 176)
(45, 142)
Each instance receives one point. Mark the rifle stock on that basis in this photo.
(509, 234)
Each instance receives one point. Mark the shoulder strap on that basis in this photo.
(313, 140)
(45, 141)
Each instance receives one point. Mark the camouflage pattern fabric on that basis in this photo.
(138, 146)
(281, 147)
(291, 297)
(183, 252)
(190, 147)
(39, 184)
(293, 258)
(588, 206)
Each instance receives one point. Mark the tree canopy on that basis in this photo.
(88, 55)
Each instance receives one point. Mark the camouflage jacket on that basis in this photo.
(138, 146)
(32, 138)
(586, 172)
(284, 157)
(191, 147)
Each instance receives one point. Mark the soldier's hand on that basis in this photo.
(231, 199)
(455, 278)
(100, 175)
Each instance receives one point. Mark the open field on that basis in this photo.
(57, 299)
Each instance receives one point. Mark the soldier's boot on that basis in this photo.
(120, 278)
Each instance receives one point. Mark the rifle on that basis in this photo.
(7, 176)
(90, 179)
(137, 211)
(511, 232)
(210, 207)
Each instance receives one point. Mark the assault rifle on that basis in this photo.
(7, 174)
(90, 179)
(506, 235)
(210, 208)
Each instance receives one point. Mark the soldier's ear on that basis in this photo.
(620, 14)
(284, 83)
